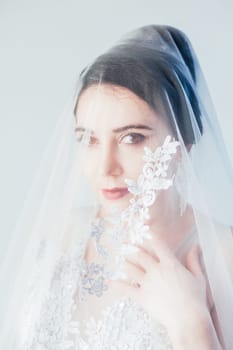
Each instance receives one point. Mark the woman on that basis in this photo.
(132, 246)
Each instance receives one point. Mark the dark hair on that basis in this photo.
(153, 72)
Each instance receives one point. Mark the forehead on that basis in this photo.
(112, 106)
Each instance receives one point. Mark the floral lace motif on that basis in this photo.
(129, 224)
(122, 326)
(51, 331)
(126, 326)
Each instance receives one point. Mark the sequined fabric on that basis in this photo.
(122, 326)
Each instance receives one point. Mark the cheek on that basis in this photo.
(132, 163)
(89, 166)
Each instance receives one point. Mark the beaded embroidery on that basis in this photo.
(124, 325)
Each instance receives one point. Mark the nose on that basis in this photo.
(109, 163)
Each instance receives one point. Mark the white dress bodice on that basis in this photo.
(122, 325)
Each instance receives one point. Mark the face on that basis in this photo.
(115, 125)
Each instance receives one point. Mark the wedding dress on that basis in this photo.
(136, 155)
(122, 325)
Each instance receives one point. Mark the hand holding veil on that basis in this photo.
(131, 212)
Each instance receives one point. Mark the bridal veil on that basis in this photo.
(184, 166)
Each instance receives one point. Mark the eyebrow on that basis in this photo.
(123, 128)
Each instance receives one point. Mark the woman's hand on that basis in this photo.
(173, 294)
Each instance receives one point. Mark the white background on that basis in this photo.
(45, 43)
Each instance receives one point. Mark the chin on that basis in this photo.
(108, 205)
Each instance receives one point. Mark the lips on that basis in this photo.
(115, 193)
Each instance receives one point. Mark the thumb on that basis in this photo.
(193, 263)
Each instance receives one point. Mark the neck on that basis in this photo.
(165, 221)
(174, 229)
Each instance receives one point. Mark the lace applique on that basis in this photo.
(92, 279)
(129, 224)
(124, 325)
(55, 322)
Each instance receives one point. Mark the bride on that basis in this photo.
(131, 247)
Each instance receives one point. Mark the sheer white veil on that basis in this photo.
(58, 213)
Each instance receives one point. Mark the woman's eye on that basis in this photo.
(133, 138)
(86, 140)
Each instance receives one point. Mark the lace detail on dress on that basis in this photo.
(55, 322)
(124, 325)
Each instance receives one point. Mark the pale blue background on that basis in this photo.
(45, 43)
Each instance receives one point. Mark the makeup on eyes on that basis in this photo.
(133, 138)
(127, 131)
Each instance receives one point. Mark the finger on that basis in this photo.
(161, 250)
(142, 259)
(124, 287)
(133, 272)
